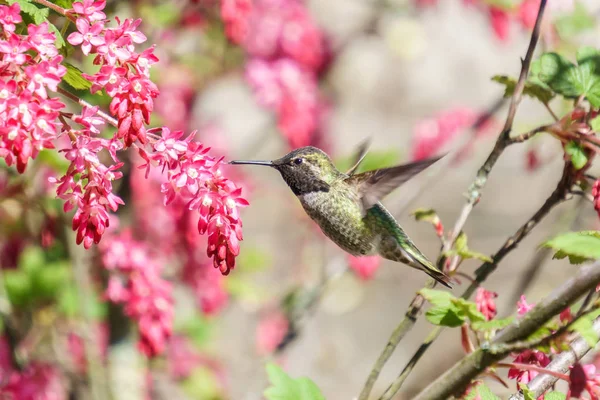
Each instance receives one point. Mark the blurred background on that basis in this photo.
(411, 76)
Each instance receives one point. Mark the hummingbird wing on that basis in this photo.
(361, 152)
(375, 185)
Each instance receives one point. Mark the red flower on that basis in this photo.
(485, 303)
(584, 378)
(534, 357)
(523, 307)
(270, 332)
(596, 196)
(500, 21)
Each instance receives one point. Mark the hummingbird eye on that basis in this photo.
(298, 161)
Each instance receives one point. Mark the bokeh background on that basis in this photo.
(411, 76)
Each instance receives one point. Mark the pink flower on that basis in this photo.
(500, 21)
(432, 134)
(88, 35)
(533, 357)
(235, 14)
(485, 303)
(364, 267)
(584, 378)
(37, 381)
(9, 16)
(42, 40)
(271, 331)
(596, 196)
(523, 307)
(14, 49)
(90, 9)
(527, 13)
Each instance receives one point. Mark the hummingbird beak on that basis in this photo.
(251, 162)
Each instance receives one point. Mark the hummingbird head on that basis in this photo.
(305, 170)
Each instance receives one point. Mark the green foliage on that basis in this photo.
(74, 78)
(585, 327)
(39, 15)
(527, 393)
(64, 3)
(71, 304)
(531, 89)
(202, 384)
(461, 249)
(283, 387)
(448, 310)
(492, 325)
(577, 154)
(481, 392)
(578, 246)
(54, 160)
(425, 214)
(198, 329)
(555, 396)
(595, 123)
(578, 21)
(568, 79)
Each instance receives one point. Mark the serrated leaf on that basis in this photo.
(575, 260)
(493, 324)
(286, 388)
(469, 308)
(531, 89)
(439, 298)
(64, 3)
(448, 310)
(485, 393)
(18, 287)
(585, 327)
(445, 316)
(527, 393)
(577, 154)
(595, 123)
(38, 15)
(59, 42)
(585, 244)
(554, 70)
(555, 396)
(74, 78)
(578, 21)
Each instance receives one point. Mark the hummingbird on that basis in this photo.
(347, 206)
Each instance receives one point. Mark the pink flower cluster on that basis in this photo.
(533, 357)
(584, 378)
(135, 281)
(196, 177)
(29, 67)
(484, 299)
(287, 52)
(37, 381)
(124, 74)
(364, 267)
(596, 196)
(432, 134)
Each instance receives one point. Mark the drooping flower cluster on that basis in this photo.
(124, 74)
(364, 267)
(533, 357)
(196, 177)
(584, 378)
(30, 67)
(486, 303)
(37, 381)
(136, 282)
(287, 52)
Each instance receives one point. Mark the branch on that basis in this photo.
(56, 8)
(455, 380)
(410, 317)
(112, 121)
(557, 196)
(561, 363)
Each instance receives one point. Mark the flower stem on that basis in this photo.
(58, 9)
(112, 121)
(530, 367)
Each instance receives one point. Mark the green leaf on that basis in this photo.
(554, 70)
(555, 396)
(50, 280)
(531, 89)
(448, 310)
(527, 393)
(59, 41)
(578, 21)
(585, 244)
(575, 260)
(493, 324)
(438, 298)
(585, 327)
(426, 214)
(461, 249)
(74, 78)
(283, 387)
(485, 393)
(469, 308)
(64, 3)
(202, 384)
(31, 259)
(38, 15)
(18, 287)
(577, 153)
(595, 123)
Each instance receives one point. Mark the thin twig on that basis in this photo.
(557, 196)
(561, 363)
(112, 121)
(58, 9)
(456, 379)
